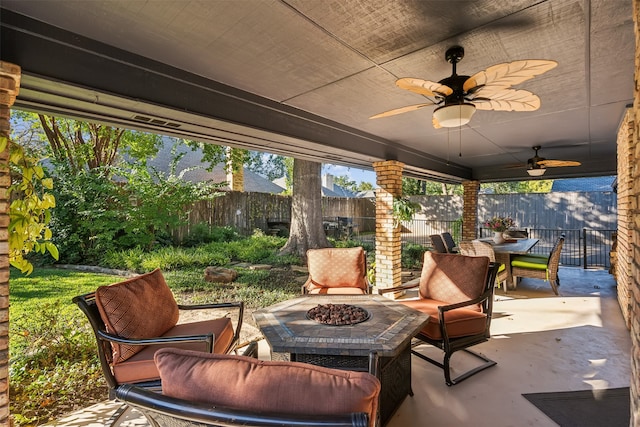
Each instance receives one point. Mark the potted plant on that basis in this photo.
(499, 224)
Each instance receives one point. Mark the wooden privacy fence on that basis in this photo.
(250, 211)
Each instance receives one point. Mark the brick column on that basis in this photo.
(624, 255)
(388, 243)
(633, 175)
(235, 172)
(469, 209)
(9, 86)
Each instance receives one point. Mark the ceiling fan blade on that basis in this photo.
(548, 163)
(401, 110)
(424, 87)
(503, 76)
(507, 100)
(436, 123)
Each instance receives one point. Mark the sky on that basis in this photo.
(357, 175)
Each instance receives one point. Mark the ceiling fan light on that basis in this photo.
(536, 171)
(454, 115)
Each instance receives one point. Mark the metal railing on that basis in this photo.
(582, 247)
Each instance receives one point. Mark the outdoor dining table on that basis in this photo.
(387, 330)
(505, 250)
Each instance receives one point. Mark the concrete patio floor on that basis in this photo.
(542, 343)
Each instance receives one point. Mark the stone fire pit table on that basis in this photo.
(388, 331)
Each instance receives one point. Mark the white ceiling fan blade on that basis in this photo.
(507, 100)
(424, 87)
(502, 76)
(548, 163)
(401, 110)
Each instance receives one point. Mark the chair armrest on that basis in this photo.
(414, 283)
(217, 305)
(206, 338)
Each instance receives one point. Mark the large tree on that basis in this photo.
(306, 210)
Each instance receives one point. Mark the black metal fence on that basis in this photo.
(584, 247)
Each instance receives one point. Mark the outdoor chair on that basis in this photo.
(449, 243)
(437, 243)
(539, 266)
(134, 318)
(479, 248)
(202, 389)
(337, 271)
(456, 291)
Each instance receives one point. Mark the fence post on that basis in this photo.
(584, 247)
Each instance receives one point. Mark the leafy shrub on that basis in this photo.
(412, 255)
(202, 233)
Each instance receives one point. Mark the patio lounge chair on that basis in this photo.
(134, 318)
(539, 266)
(337, 271)
(449, 243)
(438, 244)
(202, 389)
(456, 291)
(479, 248)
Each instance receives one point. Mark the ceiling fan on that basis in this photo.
(458, 97)
(537, 166)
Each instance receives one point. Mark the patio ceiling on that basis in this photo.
(301, 77)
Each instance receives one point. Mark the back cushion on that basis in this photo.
(240, 382)
(453, 278)
(337, 267)
(141, 307)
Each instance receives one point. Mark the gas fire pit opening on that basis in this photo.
(338, 314)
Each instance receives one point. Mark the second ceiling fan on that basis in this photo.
(458, 97)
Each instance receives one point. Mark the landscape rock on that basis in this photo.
(220, 275)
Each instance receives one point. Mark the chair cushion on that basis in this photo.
(528, 262)
(246, 383)
(453, 278)
(141, 307)
(141, 366)
(336, 268)
(459, 322)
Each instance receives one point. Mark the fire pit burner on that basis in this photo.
(338, 314)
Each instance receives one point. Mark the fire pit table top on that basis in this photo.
(389, 327)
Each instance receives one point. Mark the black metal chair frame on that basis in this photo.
(87, 304)
(161, 410)
(450, 345)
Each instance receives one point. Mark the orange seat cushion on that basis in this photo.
(141, 366)
(141, 307)
(250, 384)
(459, 322)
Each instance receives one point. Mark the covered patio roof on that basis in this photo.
(301, 78)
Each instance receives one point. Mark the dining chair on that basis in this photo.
(134, 318)
(449, 243)
(479, 248)
(456, 291)
(202, 389)
(337, 271)
(539, 266)
(438, 244)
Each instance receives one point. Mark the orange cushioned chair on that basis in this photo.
(134, 318)
(337, 271)
(211, 389)
(456, 291)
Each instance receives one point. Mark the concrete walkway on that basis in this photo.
(542, 343)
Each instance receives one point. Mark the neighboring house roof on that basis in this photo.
(329, 189)
(191, 159)
(590, 184)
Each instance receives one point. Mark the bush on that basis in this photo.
(412, 255)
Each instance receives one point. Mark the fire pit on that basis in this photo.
(338, 314)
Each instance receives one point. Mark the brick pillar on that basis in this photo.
(235, 172)
(624, 256)
(633, 174)
(388, 243)
(469, 209)
(9, 86)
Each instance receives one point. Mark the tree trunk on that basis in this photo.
(306, 230)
